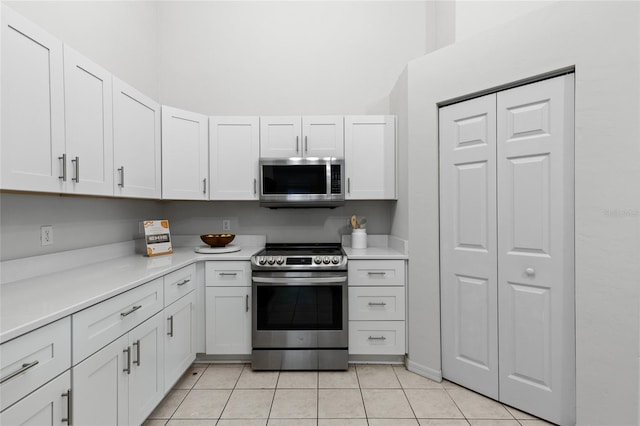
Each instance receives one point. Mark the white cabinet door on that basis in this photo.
(88, 124)
(185, 155)
(234, 151)
(146, 385)
(535, 248)
(468, 244)
(228, 320)
(136, 143)
(101, 386)
(32, 107)
(323, 136)
(47, 406)
(280, 137)
(370, 157)
(179, 338)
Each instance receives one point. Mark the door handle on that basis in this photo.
(377, 304)
(129, 312)
(121, 170)
(255, 190)
(67, 419)
(170, 333)
(64, 167)
(204, 185)
(306, 145)
(530, 272)
(76, 161)
(136, 344)
(297, 143)
(128, 353)
(22, 369)
(246, 303)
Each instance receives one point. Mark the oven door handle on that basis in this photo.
(306, 280)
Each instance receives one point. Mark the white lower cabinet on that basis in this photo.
(48, 405)
(179, 338)
(123, 382)
(228, 320)
(377, 307)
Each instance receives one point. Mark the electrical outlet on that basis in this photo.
(46, 235)
(226, 225)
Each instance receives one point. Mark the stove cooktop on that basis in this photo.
(311, 256)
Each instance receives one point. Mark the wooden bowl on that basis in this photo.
(217, 240)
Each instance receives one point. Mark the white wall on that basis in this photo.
(475, 16)
(288, 57)
(601, 40)
(121, 36)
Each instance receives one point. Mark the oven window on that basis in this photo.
(307, 179)
(299, 307)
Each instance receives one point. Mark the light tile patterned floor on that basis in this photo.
(365, 395)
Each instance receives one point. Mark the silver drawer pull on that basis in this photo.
(377, 304)
(183, 282)
(129, 312)
(67, 419)
(377, 338)
(24, 368)
(376, 273)
(231, 274)
(170, 332)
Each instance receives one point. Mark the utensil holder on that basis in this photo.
(359, 239)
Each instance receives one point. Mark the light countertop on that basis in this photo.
(33, 302)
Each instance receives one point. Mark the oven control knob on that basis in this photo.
(317, 260)
(271, 260)
(280, 260)
(335, 260)
(262, 260)
(326, 260)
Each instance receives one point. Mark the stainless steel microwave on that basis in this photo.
(301, 182)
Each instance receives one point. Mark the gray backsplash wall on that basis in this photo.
(279, 225)
(80, 222)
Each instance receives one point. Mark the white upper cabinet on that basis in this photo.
(185, 155)
(234, 145)
(370, 157)
(89, 125)
(32, 107)
(136, 143)
(295, 136)
(323, 136)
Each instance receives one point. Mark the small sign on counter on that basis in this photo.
(157, 237)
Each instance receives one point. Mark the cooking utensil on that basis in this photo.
(217, 240)
(354, 222)
(362, 223)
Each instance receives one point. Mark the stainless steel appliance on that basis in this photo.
(300, 307)
(301, 182)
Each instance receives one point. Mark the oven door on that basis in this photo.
(300, 310)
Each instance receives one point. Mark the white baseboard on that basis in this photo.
(424, 371)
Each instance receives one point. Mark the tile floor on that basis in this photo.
(365, 395)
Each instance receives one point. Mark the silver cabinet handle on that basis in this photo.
(67, 419)
(170, 333)
(348, 185)
(136, 344)
(530, 271)
(129, 312)
(76, 161)
(121, 170)
(22, 369)
(255, 189)
(246, 303)
(306, 145)
(183, 282)
(204, 185)
(64, 167)
(376, 273)
(297, 143)
(128, 368)
(377, 304)
(232, 274)
(377, 338)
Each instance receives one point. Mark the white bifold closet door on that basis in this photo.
(507, 286)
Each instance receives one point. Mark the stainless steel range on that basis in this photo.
(300, 307)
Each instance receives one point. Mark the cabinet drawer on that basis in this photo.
(376, 303)
(179, 283)
(376, 338)
(379, 272)
(40, 356)
(98, 325)
(228, 274)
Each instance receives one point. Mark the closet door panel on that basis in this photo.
(468, 244)
(535, 248)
